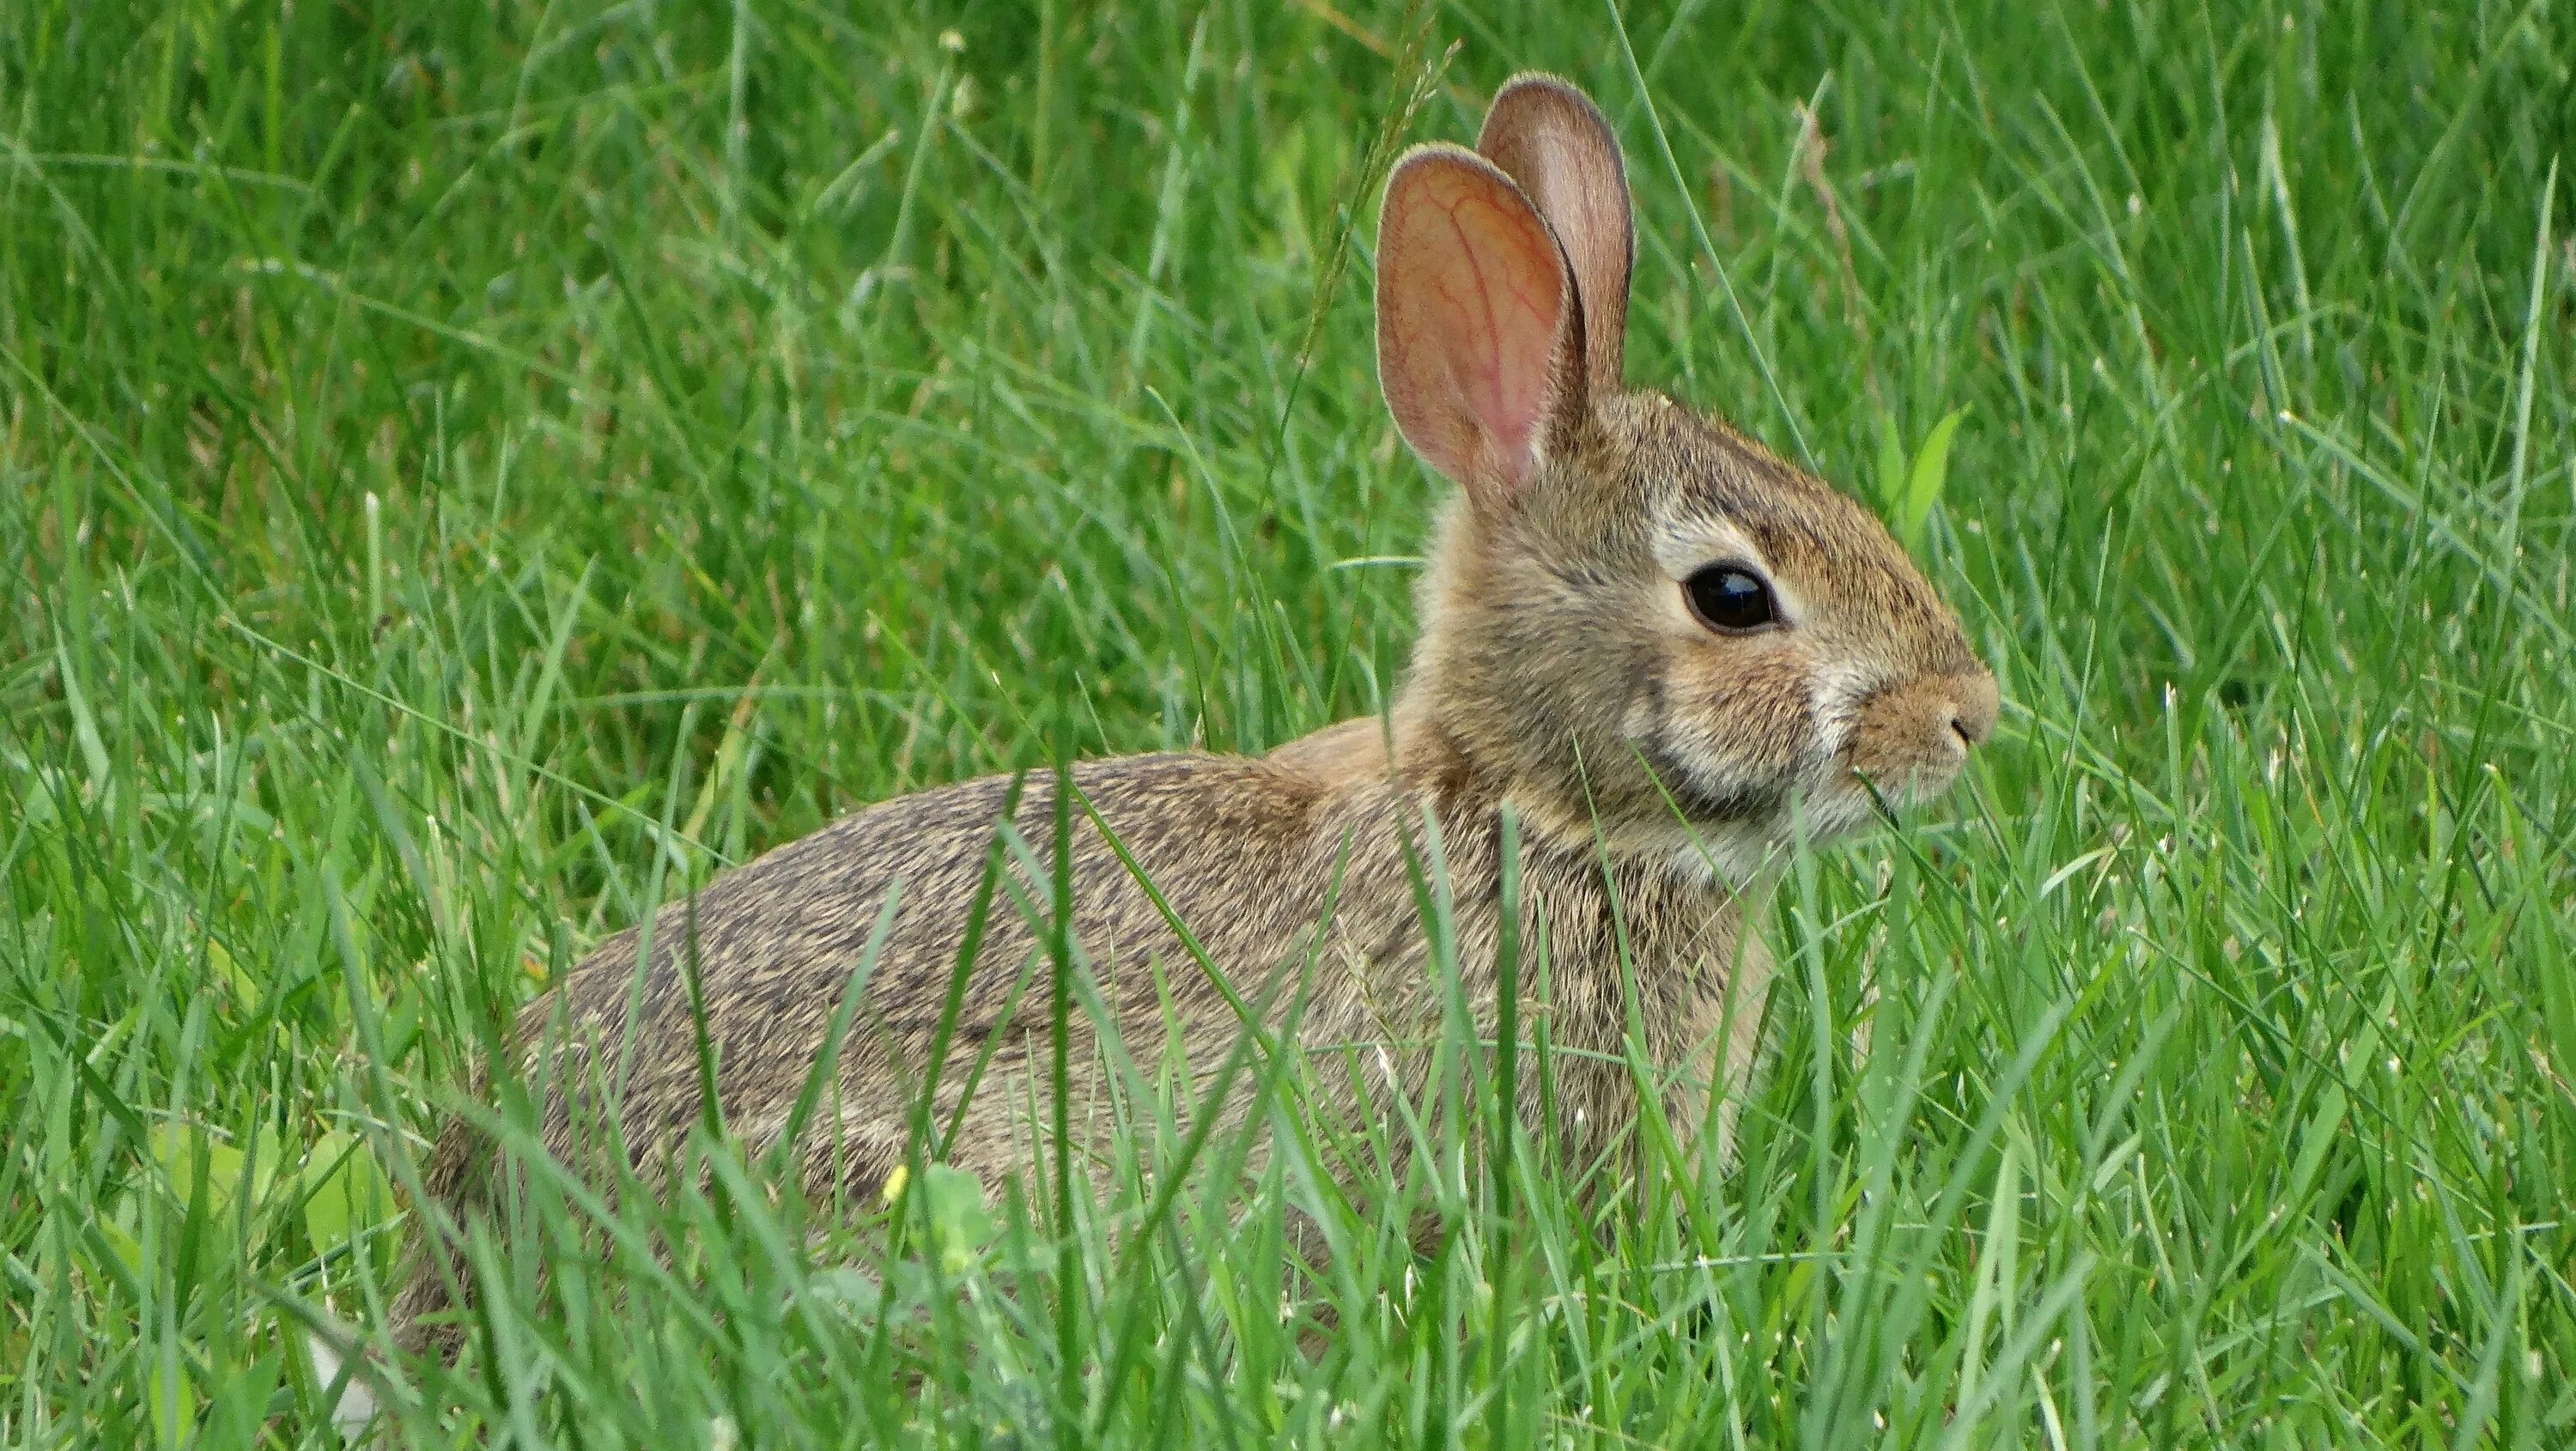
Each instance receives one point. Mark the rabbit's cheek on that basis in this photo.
(1755, 722)
(1727, 733)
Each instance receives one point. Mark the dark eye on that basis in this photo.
(1730, 597)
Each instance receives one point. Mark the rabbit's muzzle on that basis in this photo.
(1911, 739)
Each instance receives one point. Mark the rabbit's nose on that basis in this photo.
(1973, 708)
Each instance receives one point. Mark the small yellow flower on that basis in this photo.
(894, 1184)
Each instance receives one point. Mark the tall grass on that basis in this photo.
(471, 471)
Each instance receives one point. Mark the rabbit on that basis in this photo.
(1674, 656)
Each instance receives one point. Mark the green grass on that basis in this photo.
(466, 470)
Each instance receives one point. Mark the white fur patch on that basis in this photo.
(1734, 859)
(356, 1406)
(1834, 698)
(1685, 545)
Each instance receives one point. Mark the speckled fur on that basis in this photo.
(1660, 770)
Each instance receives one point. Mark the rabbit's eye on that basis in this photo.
(1730, 598)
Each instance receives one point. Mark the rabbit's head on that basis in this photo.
(1636, 620)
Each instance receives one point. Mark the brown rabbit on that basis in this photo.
(1673, 654)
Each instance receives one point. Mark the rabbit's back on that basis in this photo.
(773, 947)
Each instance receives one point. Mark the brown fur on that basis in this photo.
(1659, 768)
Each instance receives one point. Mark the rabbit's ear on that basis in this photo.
(1549, 137)
(1479, 342)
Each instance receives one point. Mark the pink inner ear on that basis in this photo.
(1500, 297)
(1471, 298)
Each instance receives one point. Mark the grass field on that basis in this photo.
(468, 470)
